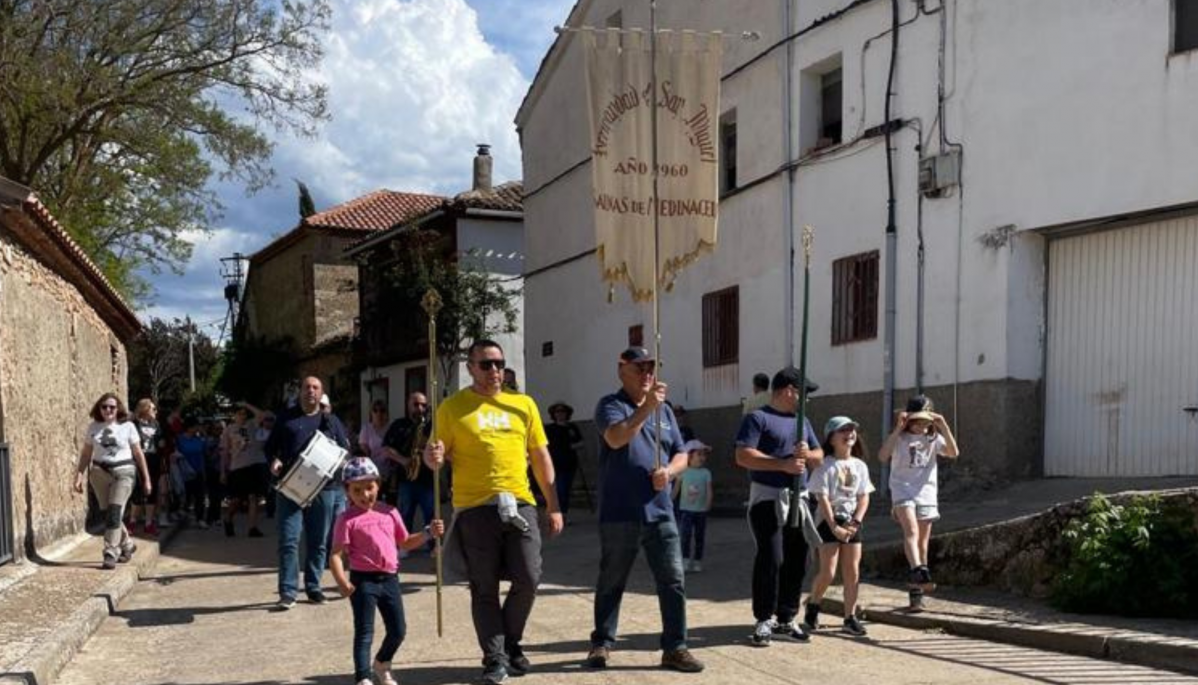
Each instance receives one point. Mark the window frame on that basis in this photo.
(856, 290)
(721, 327)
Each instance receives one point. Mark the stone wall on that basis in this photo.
(1022, 555)
(56, 358)
(336, 301)
(279, 295)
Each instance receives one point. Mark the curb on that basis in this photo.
(1147, 650)
(44, 662)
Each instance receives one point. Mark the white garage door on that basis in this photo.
(1122, 363)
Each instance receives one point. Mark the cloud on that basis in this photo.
(413, 86)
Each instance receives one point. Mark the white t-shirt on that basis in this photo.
(842, 481)
(111, 442)
(913, 468)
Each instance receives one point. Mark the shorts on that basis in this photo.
(923, 512)
(825, 534)
(247, 482)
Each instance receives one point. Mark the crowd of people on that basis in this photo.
(655, 493)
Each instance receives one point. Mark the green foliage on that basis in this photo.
(158, 362)
(1134, 559)
(307, 207)
(475, 303)
(256, 369)
(118, 113)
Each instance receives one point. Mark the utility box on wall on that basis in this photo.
(940, 173)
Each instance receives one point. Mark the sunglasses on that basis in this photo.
(107, 407)
(491, 364)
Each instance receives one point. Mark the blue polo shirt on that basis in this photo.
(625, 485)
(773, 433)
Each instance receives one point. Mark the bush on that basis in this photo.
(1134, 559)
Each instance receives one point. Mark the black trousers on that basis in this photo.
(778, 566)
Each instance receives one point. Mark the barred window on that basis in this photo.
(855, 298)
(721, 327)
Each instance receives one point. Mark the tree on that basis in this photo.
(158, 362)
(119, 112)
(306, 206)
(476, 304)
(255, 369)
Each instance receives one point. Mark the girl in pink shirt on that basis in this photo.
(369, 533)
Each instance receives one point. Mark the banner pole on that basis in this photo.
(652, 102)
(431, 303)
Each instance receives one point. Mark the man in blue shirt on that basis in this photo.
(292, 432)
(635, 509)
(768, 445)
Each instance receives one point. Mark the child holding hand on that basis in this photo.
(369, 532)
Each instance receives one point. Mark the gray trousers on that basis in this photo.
(493, 551)
(113, 489)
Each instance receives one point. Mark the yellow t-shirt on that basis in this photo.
(488, 439)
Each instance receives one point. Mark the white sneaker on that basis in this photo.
(382, 674)
(364, 681)
(763, 632)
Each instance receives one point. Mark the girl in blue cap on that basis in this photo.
(841, 486)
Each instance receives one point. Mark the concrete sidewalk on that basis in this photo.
(50, 605)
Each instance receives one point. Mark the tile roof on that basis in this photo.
(375, 211)
(508, 197)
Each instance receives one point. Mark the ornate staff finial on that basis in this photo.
(808, 241)
(431, 302)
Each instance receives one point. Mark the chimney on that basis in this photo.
(482, 169)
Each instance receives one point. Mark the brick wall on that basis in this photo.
(56, 358)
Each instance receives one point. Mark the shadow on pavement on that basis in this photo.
(151, 618)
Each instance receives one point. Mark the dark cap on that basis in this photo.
(790, 377)
(760, 380)
(919, 403)
(636, 354)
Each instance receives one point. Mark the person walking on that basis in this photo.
(489, 435)
(773, 451)
(243, 464)
(399, 442)
(111, 460)
(695, 493)
(635, 511)
(565, 439)
(291, 435)
(145, 419)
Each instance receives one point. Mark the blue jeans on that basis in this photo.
(316, 524)
(693, 526)
(412, 496)
(371, 591)
(620, 543)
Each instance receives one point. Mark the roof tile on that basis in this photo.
(375, 211)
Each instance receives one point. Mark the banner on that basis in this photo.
(619, 90)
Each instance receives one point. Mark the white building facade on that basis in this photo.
(1059, 240)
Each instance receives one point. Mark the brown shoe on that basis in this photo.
(681, 660)
(597, 657)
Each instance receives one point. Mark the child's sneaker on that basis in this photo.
(914, 600)
(364, 681)
(925, 579)
(852, 626)
(792, 630)
(763, 632)
(382, 673)
(811, 617)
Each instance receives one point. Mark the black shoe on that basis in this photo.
(792, 630)
(229, 532)
(316, 597)
(285, 603)
(853, 627)
(494, 672)
(517, 663)
(127, 553)
(811, 617)
(597, 657)
(109, 562)
(254, 533)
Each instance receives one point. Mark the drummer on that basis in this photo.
(292, 432)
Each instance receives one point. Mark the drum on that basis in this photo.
(313, 470)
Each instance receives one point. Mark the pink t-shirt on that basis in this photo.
(370, 537)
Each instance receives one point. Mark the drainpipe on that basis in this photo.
(789, 199)
(891, 245)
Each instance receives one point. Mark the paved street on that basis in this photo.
(204, 617)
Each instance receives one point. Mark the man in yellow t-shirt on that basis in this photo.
(491, 436)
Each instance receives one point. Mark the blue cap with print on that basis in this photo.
(359, 468)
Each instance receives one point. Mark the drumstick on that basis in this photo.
(431, 305)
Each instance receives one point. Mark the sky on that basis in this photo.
(414, 85)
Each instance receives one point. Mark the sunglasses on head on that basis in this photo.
(491, 364)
